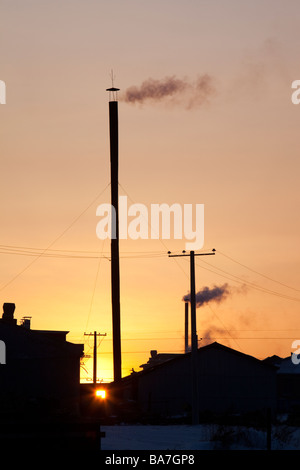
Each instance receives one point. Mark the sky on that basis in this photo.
(233, 148)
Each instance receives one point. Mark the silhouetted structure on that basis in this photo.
(229, 382)
(288, 386)
(8, 313)
(40, 390)
(156, 359)
(115, 262)
(41, 374)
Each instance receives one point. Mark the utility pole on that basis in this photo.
(95, 334)
(195, 404)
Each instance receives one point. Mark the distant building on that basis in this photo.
(288, 385)
(41, 373)
(228, 382)
(156, 359)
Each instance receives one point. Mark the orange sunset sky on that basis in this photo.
(237, 153)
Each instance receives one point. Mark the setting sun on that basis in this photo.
(101, 394)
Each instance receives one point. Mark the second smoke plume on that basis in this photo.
(206, 295)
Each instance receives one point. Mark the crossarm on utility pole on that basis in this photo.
(95, 334)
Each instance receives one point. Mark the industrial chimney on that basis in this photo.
(8, 313)
(186, 327)
(115, 268)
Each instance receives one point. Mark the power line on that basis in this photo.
(73, 251)
(207, 338)
(243, 282)
(256, 272)
(239, 279)
(67, 254)
(45, 252)
(178, 338)
(55, 240)
(253, 285)
(161, 241)
(94, 288)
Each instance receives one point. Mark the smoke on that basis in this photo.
(257, 71)
(212, 333)
(260, 71)
(206, 295)
(173, 90)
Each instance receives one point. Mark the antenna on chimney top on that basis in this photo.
(112, 91)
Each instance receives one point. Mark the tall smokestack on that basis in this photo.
(115, 263)
(186, 327)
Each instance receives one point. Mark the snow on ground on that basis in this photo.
(155, 438)
(202, 437)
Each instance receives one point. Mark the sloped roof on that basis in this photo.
(159, 358)
(275, 360)
(215, 345)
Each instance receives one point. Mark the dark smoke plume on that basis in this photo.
(206, 295)
(173, 90)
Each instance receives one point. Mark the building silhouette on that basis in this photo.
(41, 371)
(229, 383)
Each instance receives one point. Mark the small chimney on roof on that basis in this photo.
(8, 313)
(25, 322)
